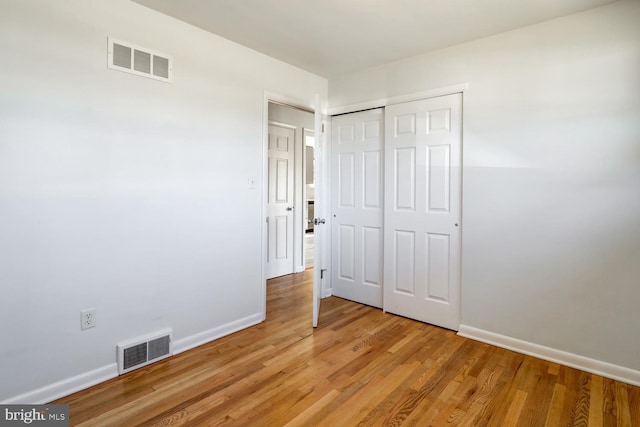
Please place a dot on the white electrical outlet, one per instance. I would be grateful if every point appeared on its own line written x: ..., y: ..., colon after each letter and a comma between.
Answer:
x: 251, y: 183
x: 87, y: 318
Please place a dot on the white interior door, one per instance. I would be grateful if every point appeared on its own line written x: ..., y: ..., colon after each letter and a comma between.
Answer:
x: 319, y: 210
x: 422, y: 214
x: 357, y: 206
x: 280, y: 201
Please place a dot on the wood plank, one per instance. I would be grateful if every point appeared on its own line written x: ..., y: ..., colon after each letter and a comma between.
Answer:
x: 557, y: 402
x: 622, y: 405
x: 609, y: 414
x: 513, y: 415
x: 370, y: 394
x: 580, y: 413
x: 595, y: 405
x: 302, y: 419
x: 634, y: 404
x: 536, y: 407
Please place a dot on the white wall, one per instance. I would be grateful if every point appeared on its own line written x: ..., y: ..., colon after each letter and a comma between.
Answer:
x: 301, y: 120
x: 551, y: 193
x: 124, y: 193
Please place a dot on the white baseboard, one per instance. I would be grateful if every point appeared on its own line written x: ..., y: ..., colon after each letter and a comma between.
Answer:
x: 66, y: 387
x: 586, y: 364
x: 326, y: 293
x: 201, y: 338
x: 71, y: 385
x: 300, y: 268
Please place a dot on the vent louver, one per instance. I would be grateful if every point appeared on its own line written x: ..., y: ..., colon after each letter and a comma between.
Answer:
x: 138, y: 60
x: 134, y: 354
x: 159, y: 347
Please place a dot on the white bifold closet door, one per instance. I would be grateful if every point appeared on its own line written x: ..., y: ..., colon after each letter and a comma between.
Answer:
x: 357, y: 206
x: 423, y: 147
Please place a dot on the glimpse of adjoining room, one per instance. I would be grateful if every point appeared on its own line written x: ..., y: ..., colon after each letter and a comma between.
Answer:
x: 309, y: 141
x: 291, y: 188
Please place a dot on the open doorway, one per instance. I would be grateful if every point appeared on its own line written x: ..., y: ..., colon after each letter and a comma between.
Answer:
x: 289, y: 196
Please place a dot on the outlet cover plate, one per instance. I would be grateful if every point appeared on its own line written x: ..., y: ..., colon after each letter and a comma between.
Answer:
x: 251, y: 183
x: 87, y: 318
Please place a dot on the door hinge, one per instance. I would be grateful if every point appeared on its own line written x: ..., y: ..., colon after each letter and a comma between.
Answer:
x: 322, y: 127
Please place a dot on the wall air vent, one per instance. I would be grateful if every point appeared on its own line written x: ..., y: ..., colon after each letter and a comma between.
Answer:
x: 139, y: 352
x: 139, y: 61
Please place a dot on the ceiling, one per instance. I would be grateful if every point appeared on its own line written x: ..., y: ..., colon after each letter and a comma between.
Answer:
x: 333, y: 37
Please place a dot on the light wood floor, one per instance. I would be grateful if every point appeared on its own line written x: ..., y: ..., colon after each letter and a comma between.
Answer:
x: 360, y: 367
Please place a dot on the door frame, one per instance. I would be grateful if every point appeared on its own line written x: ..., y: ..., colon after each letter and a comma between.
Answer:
x: 413, y: 96
x: 313, y: 107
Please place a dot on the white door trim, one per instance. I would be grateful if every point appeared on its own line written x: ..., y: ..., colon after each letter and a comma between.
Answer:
x: 282, y: 125
x: 414, y: 96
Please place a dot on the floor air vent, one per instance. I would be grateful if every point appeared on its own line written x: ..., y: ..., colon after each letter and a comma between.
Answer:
x: 134, y: 354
